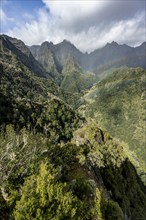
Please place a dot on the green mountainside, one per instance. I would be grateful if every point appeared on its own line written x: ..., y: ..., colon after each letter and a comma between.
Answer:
x: 32, y: 102
x: 74, y: 79
x: 62, y: 52
x: 61, y: 62
x: 55, y: 164
x: 32, y: 85
x: 18, y: 48
x: 118, y: 104
x: 47, y: 59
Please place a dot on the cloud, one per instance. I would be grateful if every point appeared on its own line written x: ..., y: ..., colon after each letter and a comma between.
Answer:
x: 72, y: 11
x: 4, y: 17
x: 35, y: 31
x: 81, y: 15
x: 87, y: 24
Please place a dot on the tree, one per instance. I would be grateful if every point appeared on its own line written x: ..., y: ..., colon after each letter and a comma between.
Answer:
x: 17, y: 153
x: 43, y: 197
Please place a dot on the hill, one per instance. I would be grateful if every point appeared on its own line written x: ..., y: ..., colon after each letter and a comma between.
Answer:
x: 118, y: 104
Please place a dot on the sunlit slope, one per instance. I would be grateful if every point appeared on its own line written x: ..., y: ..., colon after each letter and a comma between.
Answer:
x: 118, y: 103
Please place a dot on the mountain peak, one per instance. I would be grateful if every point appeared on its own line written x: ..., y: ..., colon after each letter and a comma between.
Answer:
x: 66, y: 41
x: 51, y: 43
x: 143, y: 44
x: 17, y: 43
x: 112, y: 44
x: 45, y: 43
x: 109, y: 55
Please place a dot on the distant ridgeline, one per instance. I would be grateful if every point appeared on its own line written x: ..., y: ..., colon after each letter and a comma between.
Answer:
x: 54, y: 163
x: 111, y: 55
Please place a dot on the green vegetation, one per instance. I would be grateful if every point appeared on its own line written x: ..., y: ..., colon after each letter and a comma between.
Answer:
x: 53, y: 163
x: 118, y: 104
x: 41, y: 179
x: 25, y: 104
x: 47, y: 59
x: 74, y: 79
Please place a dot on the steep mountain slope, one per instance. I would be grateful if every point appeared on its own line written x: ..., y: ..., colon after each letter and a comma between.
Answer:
x: 53, y: 164
x: 29, y: 101
x: 23, y: 54
x: 61, y: 61
x: 112, y: 55
x: 66, y: 50
x: 46, y: 58
x: 115, y: 55
x: 62, y: 52
x: 74, y: 79
x: 21, y: 65
x: 118, y: 104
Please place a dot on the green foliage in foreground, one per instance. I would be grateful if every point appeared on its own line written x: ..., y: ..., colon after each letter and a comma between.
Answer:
x: 42, y: 197
x: 87, y: 178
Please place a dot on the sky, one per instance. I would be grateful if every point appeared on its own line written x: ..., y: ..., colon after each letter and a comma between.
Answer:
x: 87, y: 24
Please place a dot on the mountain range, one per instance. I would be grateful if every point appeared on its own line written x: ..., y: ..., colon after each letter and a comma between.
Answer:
x: 55, y: 160
x: 52, y: 59
x: 111, y: 55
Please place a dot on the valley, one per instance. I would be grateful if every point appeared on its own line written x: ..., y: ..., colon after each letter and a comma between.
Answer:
x: 72, y: 131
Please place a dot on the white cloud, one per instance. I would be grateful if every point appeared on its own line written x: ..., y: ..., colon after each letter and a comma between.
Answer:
x: 4, y: 18
x: 87, y: 24
x: 70, y: 11
x: 28, y: 16
x: 2, y: 15
x: 35, y: 31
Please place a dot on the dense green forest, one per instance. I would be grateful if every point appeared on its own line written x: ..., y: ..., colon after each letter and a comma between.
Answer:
x: 118, y: 103
x: 55, y: 163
